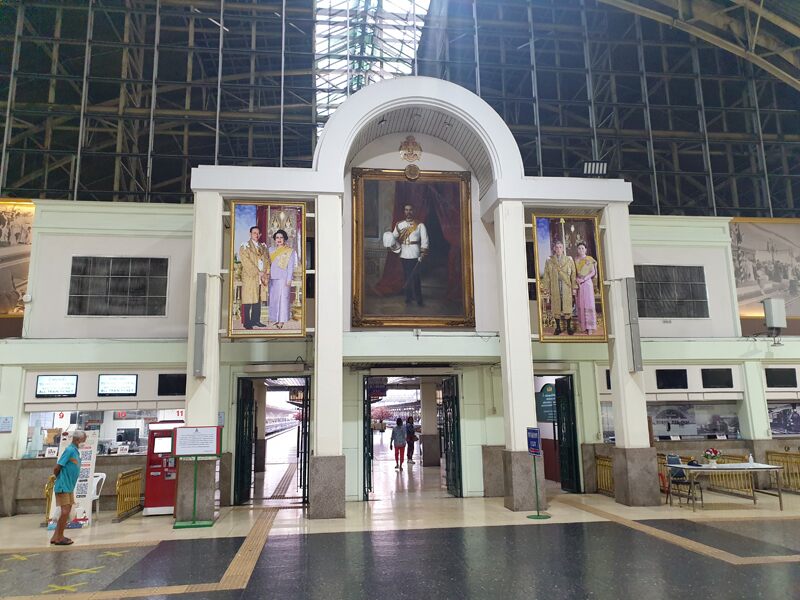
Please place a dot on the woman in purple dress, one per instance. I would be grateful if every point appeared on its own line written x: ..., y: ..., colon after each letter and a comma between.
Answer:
x: 586, y: 272
x: 283, y: 261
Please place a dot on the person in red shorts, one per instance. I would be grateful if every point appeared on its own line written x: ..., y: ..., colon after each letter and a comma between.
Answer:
x: 399, y: 442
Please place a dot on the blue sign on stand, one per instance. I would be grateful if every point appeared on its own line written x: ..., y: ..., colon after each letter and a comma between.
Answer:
x: 534, y: 441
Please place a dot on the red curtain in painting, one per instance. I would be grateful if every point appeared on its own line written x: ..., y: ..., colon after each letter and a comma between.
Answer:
x: 444, y: 199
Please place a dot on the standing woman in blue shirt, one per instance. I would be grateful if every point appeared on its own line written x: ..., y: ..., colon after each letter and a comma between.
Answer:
x: 66, y: 471
x: 399, y: 441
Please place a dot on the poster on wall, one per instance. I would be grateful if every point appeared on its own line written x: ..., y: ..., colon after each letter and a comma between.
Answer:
x: 267, y: 288
x: 84, y: 488
x: 569, y: 279
x: 16, y: 225
x: 694, y: 420
x: 784, y: 418
x: 766, y: 264
x: 412, y: 249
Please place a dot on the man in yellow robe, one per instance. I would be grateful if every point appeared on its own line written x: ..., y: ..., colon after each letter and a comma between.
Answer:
x: 254, y: 257
x: 559, y: 284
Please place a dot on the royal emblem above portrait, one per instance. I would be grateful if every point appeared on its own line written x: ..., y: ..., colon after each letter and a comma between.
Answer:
x: 267, y: 292
x: 766, y: 264
x: 412, y: 249
x: 569, y: 279
x: 16, y: 237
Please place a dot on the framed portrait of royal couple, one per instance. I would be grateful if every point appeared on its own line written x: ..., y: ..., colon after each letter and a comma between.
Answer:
x: 569, y: 279
x: 412, y: 249
x: 267, y: 295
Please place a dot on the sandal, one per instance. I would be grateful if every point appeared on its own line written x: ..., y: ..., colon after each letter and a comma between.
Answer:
x: 64, y: 542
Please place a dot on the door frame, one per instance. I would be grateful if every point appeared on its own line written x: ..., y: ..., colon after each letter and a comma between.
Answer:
x: 366, y: 417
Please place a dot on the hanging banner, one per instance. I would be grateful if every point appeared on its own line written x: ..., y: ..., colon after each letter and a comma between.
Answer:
x: 82, y: 511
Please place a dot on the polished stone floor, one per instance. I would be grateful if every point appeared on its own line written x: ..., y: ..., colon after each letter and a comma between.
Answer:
x: 413, y: 540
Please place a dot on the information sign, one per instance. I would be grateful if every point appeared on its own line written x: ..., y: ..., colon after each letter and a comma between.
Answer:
x: 197, y: 441
x: 117, y: 385
x: 534, y: 441
x: 6, y: 424
x: 56, y: 386
x: 546, y: 410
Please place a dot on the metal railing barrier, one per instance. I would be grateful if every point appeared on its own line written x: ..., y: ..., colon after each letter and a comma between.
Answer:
x: 605, y: 475
x: 790, y: 461
x: 129, y: 493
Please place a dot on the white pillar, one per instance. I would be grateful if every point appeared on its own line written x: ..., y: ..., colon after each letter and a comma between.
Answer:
x: 327, y: 399
x: 427, y: 394
x: 515, y: 326
x: 627, y: 387
x: 202, y: 393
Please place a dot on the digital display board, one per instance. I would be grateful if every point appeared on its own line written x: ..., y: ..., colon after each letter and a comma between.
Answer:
x: 56, y: 386
x: 117, y: 385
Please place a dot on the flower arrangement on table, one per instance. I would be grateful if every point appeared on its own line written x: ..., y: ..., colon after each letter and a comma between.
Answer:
x: 711, y: 455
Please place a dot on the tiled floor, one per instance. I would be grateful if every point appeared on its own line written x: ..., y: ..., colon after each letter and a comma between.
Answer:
x: 413, y: 540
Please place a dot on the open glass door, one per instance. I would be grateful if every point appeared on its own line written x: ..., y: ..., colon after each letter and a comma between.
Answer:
x: 245, y: 425
x: 367, y: 433
x: 567, y: 436
x: 304, y: 439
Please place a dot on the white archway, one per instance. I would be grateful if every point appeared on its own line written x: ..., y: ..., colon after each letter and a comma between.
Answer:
x: 471, y: 126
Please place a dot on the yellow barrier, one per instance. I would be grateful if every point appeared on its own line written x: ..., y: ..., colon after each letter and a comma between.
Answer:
x: 791, y: 468
x: 48, y: 498
x: 605, y: 475
x: 732, y: 483
x: 129, y: 493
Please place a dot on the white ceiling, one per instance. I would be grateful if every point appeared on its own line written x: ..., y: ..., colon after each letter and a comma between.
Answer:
x: 449, y: 129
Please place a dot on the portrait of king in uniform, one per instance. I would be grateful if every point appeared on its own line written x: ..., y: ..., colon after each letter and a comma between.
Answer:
x: 412, y: 255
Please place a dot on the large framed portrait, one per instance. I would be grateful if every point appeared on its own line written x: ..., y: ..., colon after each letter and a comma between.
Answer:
x: 267, y: 265
x: 16, y: 226
x: 569, y: 279
x: 766, y: 264
x: 412, y: 249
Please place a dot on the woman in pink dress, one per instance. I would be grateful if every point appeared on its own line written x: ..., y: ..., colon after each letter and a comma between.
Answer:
x: 586, y: 271
x: 283, y: 261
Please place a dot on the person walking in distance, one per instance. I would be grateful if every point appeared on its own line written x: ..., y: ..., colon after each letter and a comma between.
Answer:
x: 411, y: 437
x: 66, y: 471
x: 399, y: 442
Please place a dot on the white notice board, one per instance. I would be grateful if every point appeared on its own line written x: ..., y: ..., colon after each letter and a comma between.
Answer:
x: 197, y: 441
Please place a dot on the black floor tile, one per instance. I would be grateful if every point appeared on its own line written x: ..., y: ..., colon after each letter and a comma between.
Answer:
x: 181, y: 562
x: 740, y: 545
x: 549, y: 562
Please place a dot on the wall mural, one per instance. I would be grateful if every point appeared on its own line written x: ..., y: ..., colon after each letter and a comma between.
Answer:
x: 412, y: 249
x: 766, y: 264
x: 267, y: 290
x: 569, y: 279
x: 16, y: 225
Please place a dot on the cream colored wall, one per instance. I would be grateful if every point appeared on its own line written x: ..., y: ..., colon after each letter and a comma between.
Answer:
x: 66, y: 229
x: 690, y: 241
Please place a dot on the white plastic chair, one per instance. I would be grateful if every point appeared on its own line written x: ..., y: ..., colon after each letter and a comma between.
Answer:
x: 97, y: 487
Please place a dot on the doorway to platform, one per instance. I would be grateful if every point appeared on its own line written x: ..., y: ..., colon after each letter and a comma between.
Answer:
x: 272, y: 442
x: 557, y: 419
x: 429, y: 465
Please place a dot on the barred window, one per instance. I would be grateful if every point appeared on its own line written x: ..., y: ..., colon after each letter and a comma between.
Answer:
x: 118, y: 286
x: 671, y: 292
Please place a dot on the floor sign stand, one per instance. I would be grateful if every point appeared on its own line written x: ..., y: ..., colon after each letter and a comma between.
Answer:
x: 535, y: 449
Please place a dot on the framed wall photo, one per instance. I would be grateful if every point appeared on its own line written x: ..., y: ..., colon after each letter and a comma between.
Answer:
x: 16, y: 226
x: 766, y: 264
x: 569, y: 279
x: 267, y: 265
x: 412, y: 249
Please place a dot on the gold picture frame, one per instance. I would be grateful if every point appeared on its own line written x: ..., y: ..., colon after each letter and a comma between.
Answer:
x: 391, y: 288
x: 263, y: 274
x: 16, y: 239
x: 571, y: 231
x: 753, y: 266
